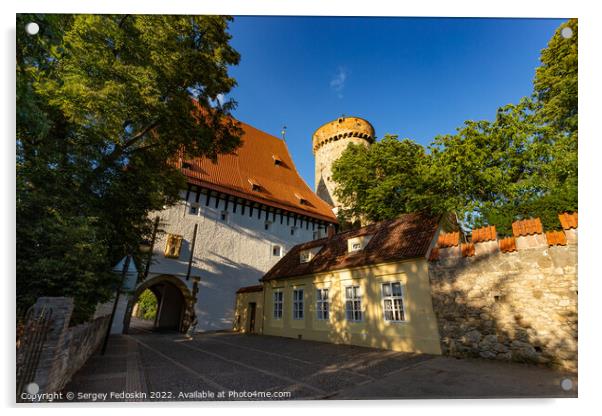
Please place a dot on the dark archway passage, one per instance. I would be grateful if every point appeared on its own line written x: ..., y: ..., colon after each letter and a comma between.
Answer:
x: 175, y: 305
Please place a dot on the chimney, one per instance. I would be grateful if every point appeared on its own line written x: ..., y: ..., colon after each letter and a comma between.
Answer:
x: 330, y: 231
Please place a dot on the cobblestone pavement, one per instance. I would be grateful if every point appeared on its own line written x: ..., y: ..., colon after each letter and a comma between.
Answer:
x: 227, y: 366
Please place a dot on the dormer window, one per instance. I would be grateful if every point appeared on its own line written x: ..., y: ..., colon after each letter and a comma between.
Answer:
x: 301, y: 199
x: 277, y: 160
x: 255, y: 186
x: 307, y: 255
x: 356, y: 244
x: 186, y: 165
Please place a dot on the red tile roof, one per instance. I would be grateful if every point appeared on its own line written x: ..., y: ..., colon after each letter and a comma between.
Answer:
x: 250, y: 289
x: 527, y: 227
x: 507, y: 244
x: 279, y: 184
x: 406, y: 237
x: 568, y: 220
x: 484, y: 234
x: 448, y: 239
x: 556, y: 238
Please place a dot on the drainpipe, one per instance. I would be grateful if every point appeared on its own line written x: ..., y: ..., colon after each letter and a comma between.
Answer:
x: 196, y: 226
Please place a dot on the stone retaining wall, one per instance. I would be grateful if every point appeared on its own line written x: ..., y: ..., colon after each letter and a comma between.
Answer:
x: 518, y: 305
x: 66, y: 349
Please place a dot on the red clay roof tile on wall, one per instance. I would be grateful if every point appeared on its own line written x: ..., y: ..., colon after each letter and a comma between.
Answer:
x: 527, y: 227
x: 507, y: 244
x: 448, y: 239
x: 568, y: 220
x: 467, y: 249
x: 253, y: 162
x: 556, y: 238
x: 484, y: 234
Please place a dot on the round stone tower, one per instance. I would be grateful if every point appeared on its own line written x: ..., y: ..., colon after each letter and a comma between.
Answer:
x: 329, y: 142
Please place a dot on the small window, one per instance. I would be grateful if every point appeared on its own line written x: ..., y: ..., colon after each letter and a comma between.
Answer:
x: 278, y: 297
x: 173, y: 246
x: 293, y: 230
x: 305, y: 256
x: 277, y: 251
x: 224, y: 216
x: 193, y: 210
x: 356, y: 244
x: 393, y: 302
x: 267, y: 225
x: 255, y: 186
x: 353, y: 304
x: 301, y: 199
x: 277, y: 160
x: 187, y: 165
x: 322, y: 304
x: 298, y: 304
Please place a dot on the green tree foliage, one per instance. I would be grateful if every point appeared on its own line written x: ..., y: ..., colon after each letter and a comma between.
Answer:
x: 104, y: 104
x: 147, y: 305
x: 380, y: 181
x: 522, y: 164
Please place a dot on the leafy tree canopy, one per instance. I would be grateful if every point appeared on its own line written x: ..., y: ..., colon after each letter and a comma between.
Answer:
x: 104, y: 103
x: 522, y: 164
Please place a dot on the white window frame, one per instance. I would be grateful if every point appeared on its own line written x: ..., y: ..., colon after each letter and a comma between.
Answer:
x: 322, y: 304
x: 278, y: 303
x: 281, y: 250
x: 357, y: 314
x: 298, y: 304
x: 396, y: 312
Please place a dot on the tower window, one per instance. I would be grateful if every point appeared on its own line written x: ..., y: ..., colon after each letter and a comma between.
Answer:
x: 276, y: 251
x: 224, y: 216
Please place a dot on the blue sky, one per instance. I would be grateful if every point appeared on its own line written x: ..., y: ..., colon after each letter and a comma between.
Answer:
x: 414, y: 77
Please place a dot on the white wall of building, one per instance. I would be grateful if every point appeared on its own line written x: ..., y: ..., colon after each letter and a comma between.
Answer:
x: 228, y: 253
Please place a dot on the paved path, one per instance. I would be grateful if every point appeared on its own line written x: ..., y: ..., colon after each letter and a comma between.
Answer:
x: 227, y: 366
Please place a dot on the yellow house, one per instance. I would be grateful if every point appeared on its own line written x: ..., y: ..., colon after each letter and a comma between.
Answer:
x: 366, y: 287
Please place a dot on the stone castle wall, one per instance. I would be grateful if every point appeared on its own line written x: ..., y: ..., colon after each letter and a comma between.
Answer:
x: 510, y: 299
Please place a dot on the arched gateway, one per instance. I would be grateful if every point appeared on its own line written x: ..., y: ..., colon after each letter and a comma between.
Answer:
x: 175, y: 303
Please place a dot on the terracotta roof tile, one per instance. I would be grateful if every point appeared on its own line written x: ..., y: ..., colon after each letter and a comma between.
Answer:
x: 406, y: 237
x: 556, y: 238
x: 253, y: 163
x: 527, y: 227
x: 467, y: 249
x: 250, y: 289
x: 568, y: 220
x: 507, y: 244
x: 484, y: 234
x: 448, y: 239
